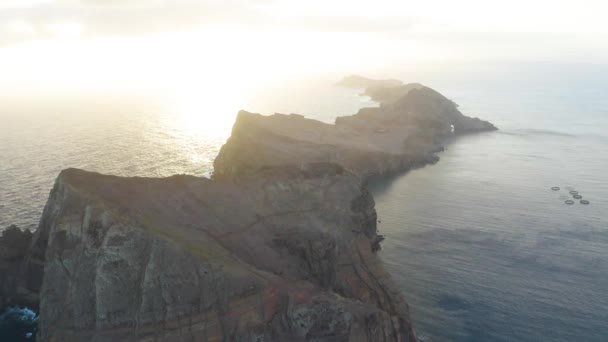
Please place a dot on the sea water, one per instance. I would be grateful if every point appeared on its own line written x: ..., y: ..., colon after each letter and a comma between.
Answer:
x: 482, y: 247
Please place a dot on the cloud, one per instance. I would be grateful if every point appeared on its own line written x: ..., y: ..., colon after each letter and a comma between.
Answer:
x: 20, y: 27
x: 44, y: 19
x: 123, y: 4
x: 12, y: 4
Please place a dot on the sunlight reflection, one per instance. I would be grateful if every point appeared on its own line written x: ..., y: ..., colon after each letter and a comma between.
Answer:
x: 201, y: 111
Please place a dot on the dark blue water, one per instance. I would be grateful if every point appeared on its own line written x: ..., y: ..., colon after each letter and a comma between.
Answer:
x: 18, y: 324
x: 482, y: 247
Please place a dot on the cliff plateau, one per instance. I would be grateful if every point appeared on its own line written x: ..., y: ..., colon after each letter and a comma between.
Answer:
x: 281, y: 254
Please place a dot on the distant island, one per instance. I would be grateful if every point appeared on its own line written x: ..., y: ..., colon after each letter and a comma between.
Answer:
x: 281, y: 244
x: 356, y: 81
x: 381, y: 91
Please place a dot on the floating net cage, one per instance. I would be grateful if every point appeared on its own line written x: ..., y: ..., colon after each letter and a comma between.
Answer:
x: 572, y: 192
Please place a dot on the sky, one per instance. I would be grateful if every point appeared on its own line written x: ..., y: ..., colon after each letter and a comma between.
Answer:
x: 43, y: 19
x: 65, y: 43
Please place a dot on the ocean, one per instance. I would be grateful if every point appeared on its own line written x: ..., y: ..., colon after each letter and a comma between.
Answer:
x: 482, y: 247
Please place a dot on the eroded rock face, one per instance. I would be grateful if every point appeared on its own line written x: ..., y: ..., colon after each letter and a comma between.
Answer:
x: 283, y: 253
x: 14, y: 244
x: 376, y: 141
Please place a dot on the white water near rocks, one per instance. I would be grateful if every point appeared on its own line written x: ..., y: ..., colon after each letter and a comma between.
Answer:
x: 482, y: 247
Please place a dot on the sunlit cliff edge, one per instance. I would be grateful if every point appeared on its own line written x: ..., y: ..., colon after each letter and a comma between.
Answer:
x: 279, y: 246
x: 400, y: 134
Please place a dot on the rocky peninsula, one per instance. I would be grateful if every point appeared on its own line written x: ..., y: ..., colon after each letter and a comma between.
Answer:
x: 394, y: 137
x: 280, y: 245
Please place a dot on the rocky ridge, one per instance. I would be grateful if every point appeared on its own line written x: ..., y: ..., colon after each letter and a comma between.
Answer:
x: 394, y: 137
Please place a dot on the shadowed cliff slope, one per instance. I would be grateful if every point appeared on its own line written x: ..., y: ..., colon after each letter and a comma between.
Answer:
x: 14, y: 245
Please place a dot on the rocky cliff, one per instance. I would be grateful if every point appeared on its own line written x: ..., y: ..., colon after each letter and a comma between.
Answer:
x: 391, y: 138
x: 14, y: 244
x: 280, y: 254
x: 384, y: 94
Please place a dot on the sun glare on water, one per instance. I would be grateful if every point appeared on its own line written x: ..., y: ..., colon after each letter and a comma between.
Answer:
x: 205, y: 76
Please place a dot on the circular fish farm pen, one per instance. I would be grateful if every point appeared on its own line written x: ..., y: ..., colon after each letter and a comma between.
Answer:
x: 569, y: 202
x: 573, y: 192
x: 577, y: 196
x: 555, y: 188
x: 584, y: 202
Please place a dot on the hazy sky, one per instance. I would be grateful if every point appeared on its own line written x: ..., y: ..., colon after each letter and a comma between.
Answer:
x: 65, y: 41
x: 30, y: 19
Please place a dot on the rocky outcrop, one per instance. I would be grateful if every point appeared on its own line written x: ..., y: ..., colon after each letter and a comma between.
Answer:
x: 424, y: 110
x: 384, y: 94
x: 376, y: 141
x: 279, y: 254
x: 14, y: 245
x: 259, y: 141
x: 355, y: 81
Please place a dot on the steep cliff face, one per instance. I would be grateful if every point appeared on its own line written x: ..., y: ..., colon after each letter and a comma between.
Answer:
x: 14, y: 244
x: 283, y: 253
x: 259, y: 141
x: 391, y: 138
